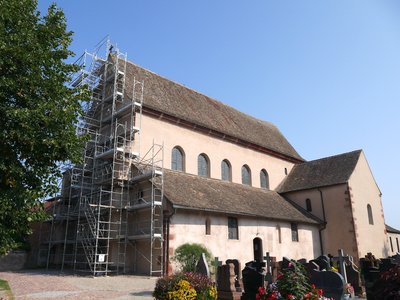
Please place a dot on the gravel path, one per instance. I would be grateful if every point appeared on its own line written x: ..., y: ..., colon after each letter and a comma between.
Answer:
x: 39, y: 284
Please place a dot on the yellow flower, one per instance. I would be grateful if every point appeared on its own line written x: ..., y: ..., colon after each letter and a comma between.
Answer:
x: 182, y: 291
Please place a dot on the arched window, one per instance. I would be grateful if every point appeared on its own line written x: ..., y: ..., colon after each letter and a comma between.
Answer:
x: 178, y: 159
x: 203, y: 165
x: 264, y: 179
x: 246, y: 175
x: 226, y: 170
x: 308, y: 205
x: 370, y: 217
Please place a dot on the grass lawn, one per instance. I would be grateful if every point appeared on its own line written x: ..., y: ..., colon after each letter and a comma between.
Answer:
x: 5, y: 290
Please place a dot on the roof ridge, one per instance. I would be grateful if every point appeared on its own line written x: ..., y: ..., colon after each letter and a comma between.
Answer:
x: 330, y: 157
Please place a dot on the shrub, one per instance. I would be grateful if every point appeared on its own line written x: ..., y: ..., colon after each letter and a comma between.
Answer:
x: 187, y: 256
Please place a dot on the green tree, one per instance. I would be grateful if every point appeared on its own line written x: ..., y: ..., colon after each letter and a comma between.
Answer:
x: 37, y: 113
x: 187, y: 255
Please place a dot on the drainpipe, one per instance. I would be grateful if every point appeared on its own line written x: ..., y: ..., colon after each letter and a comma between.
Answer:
x: 166, y: 251
x: 323, y: 227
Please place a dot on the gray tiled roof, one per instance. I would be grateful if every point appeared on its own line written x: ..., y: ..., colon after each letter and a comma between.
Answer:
x: 321, y: 172
x: 199, y: 193
x: 173, y: 99
x: 391, y: 229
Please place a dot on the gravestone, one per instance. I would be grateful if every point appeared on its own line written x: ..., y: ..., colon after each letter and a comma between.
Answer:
x: 331, y: 283
x: 396, y: 259
x: 226, y: 283
x: 353, y: 277
x: 286, y: 262
x: 269, y: 267
x: 217, y: 263
x: 371, y: 261
x: 370, y: 271
x: 311, y: 266
x: 202, y: 266
x: 253, y: 278
x: 323, y: 262
x: 238, y: 273
x: 386, y: 264
x: 303, y: 261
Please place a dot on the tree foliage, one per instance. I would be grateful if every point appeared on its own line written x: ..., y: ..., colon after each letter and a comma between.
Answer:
x: 37, y: 112
x: 187, y: 255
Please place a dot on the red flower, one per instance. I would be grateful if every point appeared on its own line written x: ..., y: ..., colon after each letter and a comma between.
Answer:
x: 261, y: 290
x: 257, y: 296
x: 274, y: 296
x: 290, y: 296
x: 280, y: 276
x: 320, y: 292
x: 313, y: 286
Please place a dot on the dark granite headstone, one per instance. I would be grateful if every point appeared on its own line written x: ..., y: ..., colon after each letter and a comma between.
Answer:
x: 286, y: 262
x: 386, y: 264
x: 396, y: 259
x: 331, y: 283
x: 323, y: 262
x: 253, y: 278
x: 311, y: 266
x: 353, y: 277
x: 202, y: 266
x: 303, y: 261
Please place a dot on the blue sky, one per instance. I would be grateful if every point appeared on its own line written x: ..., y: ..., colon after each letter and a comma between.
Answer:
x: 327, y: 73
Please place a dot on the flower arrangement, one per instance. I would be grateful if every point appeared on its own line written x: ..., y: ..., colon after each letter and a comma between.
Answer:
x: 264, y: 294
x: 185, y: 286
x: 292, y: 283
x: 182, y: 290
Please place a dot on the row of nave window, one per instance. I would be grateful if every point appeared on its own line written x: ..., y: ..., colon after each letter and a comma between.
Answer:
x: 203, y: 168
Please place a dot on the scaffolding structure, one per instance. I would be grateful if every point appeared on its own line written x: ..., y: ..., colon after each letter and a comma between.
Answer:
x: 109, y: 216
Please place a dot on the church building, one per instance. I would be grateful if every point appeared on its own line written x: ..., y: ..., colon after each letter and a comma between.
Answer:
x: 166, y: 165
